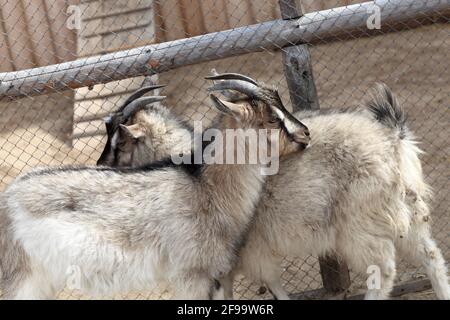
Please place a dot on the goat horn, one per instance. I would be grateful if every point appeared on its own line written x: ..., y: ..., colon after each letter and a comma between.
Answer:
x: 108, y: 119
x: 109, y: 125
x: 118, y: 115
x: 139, y: 104
x: 231, y: 76
x: 228, y: 94
x: 247, y: 88
x: 139, y: 93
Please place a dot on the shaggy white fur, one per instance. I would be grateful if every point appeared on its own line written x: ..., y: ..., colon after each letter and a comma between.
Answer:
x: 357, y: 191
x: 108, y: 231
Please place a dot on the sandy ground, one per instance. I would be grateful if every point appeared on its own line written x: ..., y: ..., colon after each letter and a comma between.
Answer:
x: 415, y: 64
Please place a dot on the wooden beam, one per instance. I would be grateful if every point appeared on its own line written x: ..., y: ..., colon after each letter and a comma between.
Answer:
x: 160, y: 27
x: 299, y: 76
x: 398, y: 290
x: 171, y: 15
x: 402, y: 289
x: 28, y: 36
x: 303, y: 94
x: 251, y: 11
x: 315, y: 27
x: 239, y: 13
x: 215, y: 15
x: 297, y: 65
x: 39, y: 32
x: 290, y: 9
x: 6, y: 57
x: 115, y: 13
x: 192, y: 16
x: 15, y: 28
x: 51, y: 31
x: 335, y: 275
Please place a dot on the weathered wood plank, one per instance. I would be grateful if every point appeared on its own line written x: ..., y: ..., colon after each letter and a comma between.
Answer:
x: 239, y: 13
x: 115, y: 24
x: 215, y: 15
x: 397, y: 291
x: 264, y: 11
x: 297, y: 65
x: 315, y: 5
x: 16, y: 30
x: 303, y: 94
x: 64, y: 39
x: 192, y: 14
x: 312, y: 28
x: 171, y: 19
x: 39, y: 32
x: 335, y: 275
x: 402, y: 289
x: 6, y: 62
x: 290, y: 9
x: 299, y: 76
x: 28, y: 32
x: 113, y: 8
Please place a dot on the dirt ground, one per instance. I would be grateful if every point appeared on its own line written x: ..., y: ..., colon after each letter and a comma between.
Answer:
x: 415, y: 64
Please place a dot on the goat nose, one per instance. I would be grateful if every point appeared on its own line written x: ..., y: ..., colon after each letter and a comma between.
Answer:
x: 306, y: 132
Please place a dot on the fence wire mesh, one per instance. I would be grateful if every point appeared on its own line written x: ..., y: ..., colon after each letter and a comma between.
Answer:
x: 66, y: 127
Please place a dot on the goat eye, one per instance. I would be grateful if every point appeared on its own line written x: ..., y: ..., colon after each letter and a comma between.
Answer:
x: 273, y: 120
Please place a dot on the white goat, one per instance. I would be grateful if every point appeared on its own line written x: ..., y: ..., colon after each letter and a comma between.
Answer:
x: 128, y: 229
x: 357, y: 191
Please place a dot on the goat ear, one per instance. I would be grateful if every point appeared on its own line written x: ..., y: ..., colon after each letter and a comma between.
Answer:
x: 296, y: 130
x: 226, y: 106
x: 134, y: 131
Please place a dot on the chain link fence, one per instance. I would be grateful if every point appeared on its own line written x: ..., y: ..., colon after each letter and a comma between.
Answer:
x: 66, y: 126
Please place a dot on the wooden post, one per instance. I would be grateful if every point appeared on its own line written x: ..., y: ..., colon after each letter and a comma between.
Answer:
x: 302, y: 90
x: 297, y: 66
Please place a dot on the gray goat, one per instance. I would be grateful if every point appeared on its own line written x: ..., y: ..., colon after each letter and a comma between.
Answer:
x: 117, y: 230
x: 357, y: 191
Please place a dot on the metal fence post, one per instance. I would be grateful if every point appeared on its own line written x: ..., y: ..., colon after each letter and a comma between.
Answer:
x: 303, y: 94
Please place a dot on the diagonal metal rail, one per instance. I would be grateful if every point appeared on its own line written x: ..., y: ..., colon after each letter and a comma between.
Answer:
x: 327, y: 25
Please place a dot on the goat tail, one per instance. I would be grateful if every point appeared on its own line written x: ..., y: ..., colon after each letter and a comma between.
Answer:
x: 385, y: 108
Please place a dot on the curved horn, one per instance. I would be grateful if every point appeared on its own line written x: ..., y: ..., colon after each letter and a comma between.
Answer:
x: 139, y: 93
x: 139, y: 104
x: 131, y: 105
x: 232, y: 76
x: 116, y: 117
x: 109, y: 124
x: 247, y: 88
x: 230, y: 95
